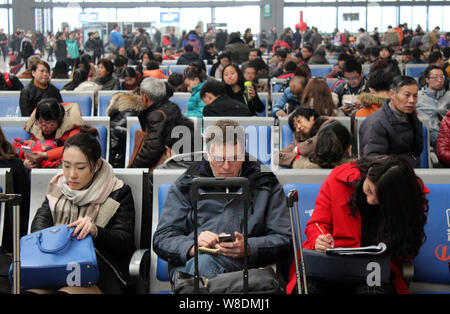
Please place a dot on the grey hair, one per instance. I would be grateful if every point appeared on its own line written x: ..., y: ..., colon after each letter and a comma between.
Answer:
x: 402, y: 80
x: 154, y: 88
x: 32, y: 61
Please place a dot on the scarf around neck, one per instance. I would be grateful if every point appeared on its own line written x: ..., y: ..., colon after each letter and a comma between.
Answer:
x: 67, y: 205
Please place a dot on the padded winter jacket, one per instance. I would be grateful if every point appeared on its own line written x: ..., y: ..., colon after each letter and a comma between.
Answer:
x: 443, y: 141
x: 30, y: 96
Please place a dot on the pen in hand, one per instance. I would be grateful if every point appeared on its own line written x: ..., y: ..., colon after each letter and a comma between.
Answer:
x: 320, y: 229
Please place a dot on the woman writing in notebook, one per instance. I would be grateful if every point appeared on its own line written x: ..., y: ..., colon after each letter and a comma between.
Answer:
x: 366, y: 202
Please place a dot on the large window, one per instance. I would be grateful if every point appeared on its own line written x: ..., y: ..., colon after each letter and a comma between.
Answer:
x: 312, y: 16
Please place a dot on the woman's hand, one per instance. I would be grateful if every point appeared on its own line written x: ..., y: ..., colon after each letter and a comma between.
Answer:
x: 84, y: 226
x: 251, y: 91
x: 30, y: 164
x: 324, y: 242
x: 37, y: 157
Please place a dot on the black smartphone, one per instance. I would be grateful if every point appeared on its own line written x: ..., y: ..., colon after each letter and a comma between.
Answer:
x: 225, y: 238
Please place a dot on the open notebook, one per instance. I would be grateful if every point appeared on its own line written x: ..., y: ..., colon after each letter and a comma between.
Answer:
x: 366, y: 250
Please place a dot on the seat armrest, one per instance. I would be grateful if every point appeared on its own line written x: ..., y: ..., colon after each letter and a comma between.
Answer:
x: 136, y: 262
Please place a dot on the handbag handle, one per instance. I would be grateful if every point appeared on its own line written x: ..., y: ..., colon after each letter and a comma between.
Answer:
x: 50, y: 251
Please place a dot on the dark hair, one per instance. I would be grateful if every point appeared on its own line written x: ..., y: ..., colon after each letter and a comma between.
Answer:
x: 333, y: 141
x: 352, y: 65
x: 84, y: 59
x: 446, y: 52
x: 129, y: 72
x: 152, y: 65
x: 166, y: 134
x: 88, y: 143
x: 40, y: 62
x: 431, y: 68
x: 120, y: 61
x: 212, y: 86
x: 192, y: 74
x: 188, y: 48
x: 50, y: 109
x: 344, y: 57
x: 282, y: 52
x: 109, y: 66
x: 402, y: 205
x: 223, y: 55
x: 380, y: 80
x: 258, y: 52
x: 434, y: 56
x: 175, y: 79
x: 240, y: 81
x: 375, y: 52
x: 6, y: 148
x: 309, y: 48
x: 61, y: 67
x: 290, y: 66
x: 402, y: 80
x: 79, y: 76
x: 258, y: 64
x: 304, y: 112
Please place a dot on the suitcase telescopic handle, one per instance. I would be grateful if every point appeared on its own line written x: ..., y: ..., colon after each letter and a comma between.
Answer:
x: 201, y: 183
x: 11, y: 199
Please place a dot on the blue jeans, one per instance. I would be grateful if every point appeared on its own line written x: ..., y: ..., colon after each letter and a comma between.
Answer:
x: 210, y: 265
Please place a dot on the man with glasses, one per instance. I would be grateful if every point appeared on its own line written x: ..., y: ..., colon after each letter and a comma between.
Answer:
x: 269, y: 235
x: 346, y: 91
x: 291, y: 99
x: 433, y: 101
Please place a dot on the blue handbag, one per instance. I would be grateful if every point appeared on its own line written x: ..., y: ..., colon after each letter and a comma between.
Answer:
x: 52, y: 258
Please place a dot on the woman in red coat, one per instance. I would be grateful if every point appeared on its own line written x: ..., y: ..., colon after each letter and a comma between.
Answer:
x: 51, y: 124
x: 443, y: 141
x: 366, y: 202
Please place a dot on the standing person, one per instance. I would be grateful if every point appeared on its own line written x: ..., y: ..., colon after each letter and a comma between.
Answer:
x: 61, y: 47
x: 116, y: 39
x: 248, y: 38
x: 362, y: 203
x: 221, y: 39
x: 3, y: 44
x: 73, y: 51
x: 157, y: 38
x: 39, y: 42
x: 87, y: 195
x: 89, y: 46
x: 39, y: 88
x: 99, y: 49
x: 51, y: 43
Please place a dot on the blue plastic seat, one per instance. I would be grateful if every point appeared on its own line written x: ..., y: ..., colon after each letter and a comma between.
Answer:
x: 103, y: 102
x: 12, y: 132
x: 320, y: 71
x: 9, y: 107
x: 182, y: 102
x: 85, y: 103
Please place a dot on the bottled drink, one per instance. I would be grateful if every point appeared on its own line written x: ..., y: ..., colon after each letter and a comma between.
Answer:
x: 247, y: 86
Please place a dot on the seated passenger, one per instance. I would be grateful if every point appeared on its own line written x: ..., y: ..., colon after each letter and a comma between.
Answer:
x: 79, y: 76
x: 193, y: 81
x: 153, y: 70
x: 363, y: 203
x: 269, y: 235
x: 291, y: 99
x: 21, y: 184
x: 433, y: 102
x: 233, y: 80
x: 39, y: 88
x: 9, y: 82
x: 395, y: 128
x: 443, y: 142
x: 87, y: 195
x: 219, y: 104
x: 333, y: 148
x: 379, y: 86
x: 105, y: 71
x: 131, y: 79
x: 305, y: 123
x: 317, y: 96
x: 50, y: 126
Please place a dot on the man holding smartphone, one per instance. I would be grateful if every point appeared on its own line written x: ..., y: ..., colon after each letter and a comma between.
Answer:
x: 220, y: 222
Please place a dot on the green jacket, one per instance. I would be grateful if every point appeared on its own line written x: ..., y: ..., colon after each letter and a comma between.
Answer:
x: 195, y: 103
x: 72, y: 49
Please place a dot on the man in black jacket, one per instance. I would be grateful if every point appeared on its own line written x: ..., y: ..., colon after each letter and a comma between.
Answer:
x: 155, y: 96
x: 219, y: 104
x: 189, y: 56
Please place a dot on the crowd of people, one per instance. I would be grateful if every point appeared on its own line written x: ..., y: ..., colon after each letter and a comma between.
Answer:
x: 377, y: 176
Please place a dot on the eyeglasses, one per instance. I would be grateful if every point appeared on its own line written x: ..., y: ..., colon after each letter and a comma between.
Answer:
x: 353, y: 79
x: 44, y: 123
x: 437, y: 77
x: 219, y: 160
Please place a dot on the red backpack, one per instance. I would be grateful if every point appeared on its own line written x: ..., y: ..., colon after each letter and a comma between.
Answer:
x: 7, y: 80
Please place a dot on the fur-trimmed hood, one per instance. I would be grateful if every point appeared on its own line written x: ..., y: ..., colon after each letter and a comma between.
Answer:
x: 368, y: 99
x: 125, y: 101
x: 72, y: 119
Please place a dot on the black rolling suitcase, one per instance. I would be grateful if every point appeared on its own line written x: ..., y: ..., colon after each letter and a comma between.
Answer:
x: 14, y: 200
x: 261, y: 280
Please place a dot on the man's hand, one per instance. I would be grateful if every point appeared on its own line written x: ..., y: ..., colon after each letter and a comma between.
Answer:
x: 232, y: 249
x: 281, y: 113
x: 206, y: 239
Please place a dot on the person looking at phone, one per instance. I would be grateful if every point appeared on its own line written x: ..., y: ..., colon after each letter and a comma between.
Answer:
x: 353, y: 84
x: 269, y: 235
x: 51, y: 124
